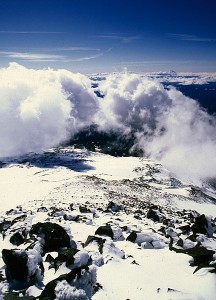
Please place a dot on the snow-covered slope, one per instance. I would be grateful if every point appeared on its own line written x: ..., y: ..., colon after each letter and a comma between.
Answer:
x: 127, y: 229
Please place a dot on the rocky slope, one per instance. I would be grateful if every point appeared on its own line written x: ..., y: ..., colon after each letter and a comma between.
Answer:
x: 83, y: 225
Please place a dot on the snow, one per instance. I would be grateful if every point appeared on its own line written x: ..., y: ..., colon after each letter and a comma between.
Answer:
x: 146, y: 269
x: 157, y: 269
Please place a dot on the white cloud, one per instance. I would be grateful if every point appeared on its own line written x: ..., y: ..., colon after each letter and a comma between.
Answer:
x: 43, y: 108
x: 33, y: 56
x: 40, y: 109
x: 89, y: 57
x: 119, y: 37
x: 168, y: 126
x: 194, y: 38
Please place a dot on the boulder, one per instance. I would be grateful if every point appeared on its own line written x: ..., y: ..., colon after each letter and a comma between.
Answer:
x: 113, y: 206
x: 153, y: 214
x: 65, y: 256
x: 42, y: 209
x: 78, y: 284
x: 53, y: 236
x: 92, y: 239
x: 203, y: 225
x: 16, y: 264
x: 18, y: 238
x: 5, y: 225
x: 105, y: 230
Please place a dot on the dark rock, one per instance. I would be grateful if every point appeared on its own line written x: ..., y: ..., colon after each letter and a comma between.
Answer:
x: 71, y: 207
x: 192, y: 237
x: 16, y: 264
x: 55, y: 212
x: 98, y: 240
x: 18, y: 219
x: 97, y: 287
x: 50, y: 260
x: 12, y: 212
x: 138, y: 217
x: 202, y: 225
x: 180, y: 243
x: 23, y: 267
x: 132, y: 237
x: 105, y: 230
x: 66, y: 256
x: 185, y: 228
x: 124, y: 228
x: 16, y: 296
x: 69, y: 217
x: 42, y: 209
x: 4, y: 226
x: 153, y: 215
x: 211, y: 266
x: 200, y: 254
x: 78, y: 278
x: 17, y: 238
x: 113, y: 206
x: 53, y: 236
x: 84, y: 209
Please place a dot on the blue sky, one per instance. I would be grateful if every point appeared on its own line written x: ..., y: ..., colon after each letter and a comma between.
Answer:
x: 109, y: 35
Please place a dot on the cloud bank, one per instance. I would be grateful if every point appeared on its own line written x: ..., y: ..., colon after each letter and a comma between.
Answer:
x: 44, y: 108
x: 167, y: 125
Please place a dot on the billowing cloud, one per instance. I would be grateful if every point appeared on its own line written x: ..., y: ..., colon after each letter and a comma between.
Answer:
x: 168, y: 126
x: 41, y: 109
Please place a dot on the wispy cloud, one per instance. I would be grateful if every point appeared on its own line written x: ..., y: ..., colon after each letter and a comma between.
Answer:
x: 74, y: 49
x: 119, y: 37
x: 44, y: 57
x: 194, y: 38
x: 87, y: 57
x: 37, y: 57
x: 29, y: 32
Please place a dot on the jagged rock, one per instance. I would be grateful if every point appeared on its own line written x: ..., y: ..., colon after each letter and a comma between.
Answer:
x: 100, y: 242
x: 148, y: 240
x: 65, y: 256
x: 84, y: 209
x: 211, y: 266
x: 23, y: 267
x: 69, y: 217
x: 18, y: 219
x: 13, y: 211
x: 185, y: 228
x: 5, y: 225
x: 105, y: 230
x: 200, y: 254
x: 16, y: 264
x: 113, y: 206
x: 153, y: 215
x: 138, y: 217
x: 203, y: 225
x: 132, y: 237
x: 56, y: 212
x: 18, y: 238
x: 50, y: 260
x: 42, y: 209
x: 71, y: 207
x: 53, y: 236
x: 78, y: 284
